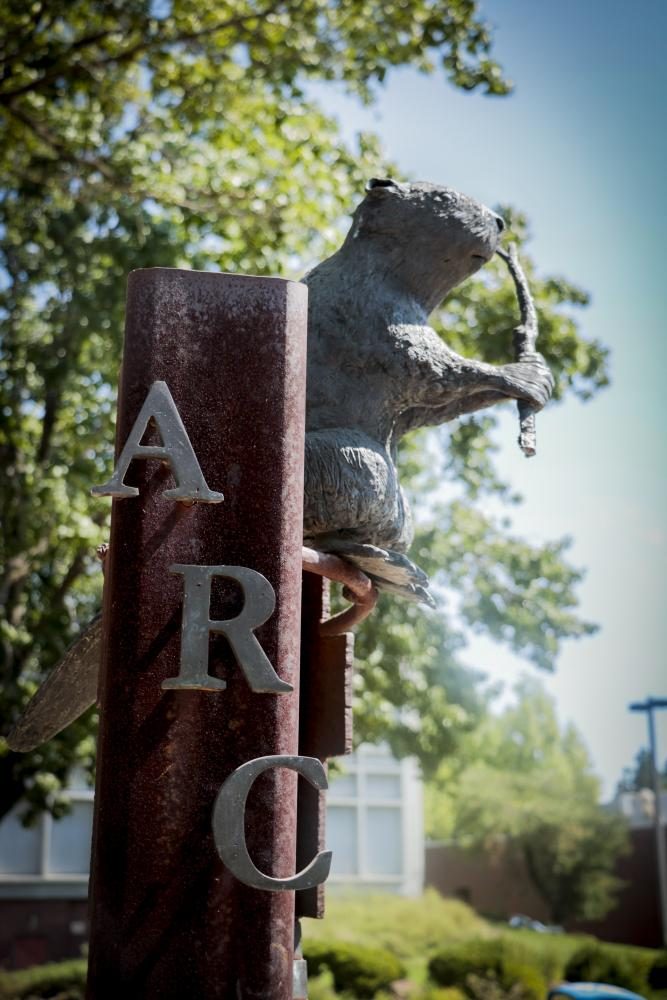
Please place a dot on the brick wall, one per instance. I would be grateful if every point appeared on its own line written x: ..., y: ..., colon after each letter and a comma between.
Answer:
x: 33, y: 931
x: 497, y: 886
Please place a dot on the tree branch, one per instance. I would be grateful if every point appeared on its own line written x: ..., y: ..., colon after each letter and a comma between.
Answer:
x: 74, y: 571
x: 44, y: 133
x: 145, y: 45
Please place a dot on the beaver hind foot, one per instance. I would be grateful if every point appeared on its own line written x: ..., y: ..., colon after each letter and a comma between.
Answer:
x: 389, y: 571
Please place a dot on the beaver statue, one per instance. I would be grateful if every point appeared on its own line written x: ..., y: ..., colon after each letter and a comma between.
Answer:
x: 376, y: 369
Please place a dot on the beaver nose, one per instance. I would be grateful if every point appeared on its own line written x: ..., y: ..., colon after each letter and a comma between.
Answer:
x: 500, y: 222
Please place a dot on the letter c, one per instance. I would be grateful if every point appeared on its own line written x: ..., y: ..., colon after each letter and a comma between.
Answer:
x: 229, y: 824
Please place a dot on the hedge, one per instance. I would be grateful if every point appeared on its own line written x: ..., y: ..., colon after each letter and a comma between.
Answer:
x: 441, y: 993
x: 362, y: 971
x: 493, y: 960
x: 65, y: 980
x: 617, y: 965
x: 657, y: 977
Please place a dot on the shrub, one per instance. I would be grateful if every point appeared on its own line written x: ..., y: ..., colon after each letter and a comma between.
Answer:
x: 614, y: 964
x: 405, y: 927
x: 451, y: 966
x: 524, y: 981
x: 363, y: 971
x: 657, y: 977
x: 441, y: 993
x: 321, y: 987
x: 492, y: 962
x: 549, y: 953
x: 64, y: 980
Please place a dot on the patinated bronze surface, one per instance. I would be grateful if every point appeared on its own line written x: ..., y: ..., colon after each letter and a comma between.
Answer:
x: 376, y: 369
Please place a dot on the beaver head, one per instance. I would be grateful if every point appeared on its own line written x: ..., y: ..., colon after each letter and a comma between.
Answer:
x: 431, y: 236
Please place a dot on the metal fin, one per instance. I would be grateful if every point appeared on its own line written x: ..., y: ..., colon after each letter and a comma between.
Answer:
x: 67, y: 692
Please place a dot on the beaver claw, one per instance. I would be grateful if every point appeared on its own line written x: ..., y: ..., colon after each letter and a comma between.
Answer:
x: 529, y: 379
x: 389, y: 571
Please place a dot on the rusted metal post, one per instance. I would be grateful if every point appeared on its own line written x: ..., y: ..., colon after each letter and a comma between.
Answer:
x: 325, y: 728
x: 168, y: 919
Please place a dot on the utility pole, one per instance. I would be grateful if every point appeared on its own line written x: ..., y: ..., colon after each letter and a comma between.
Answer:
x: 649, y: 706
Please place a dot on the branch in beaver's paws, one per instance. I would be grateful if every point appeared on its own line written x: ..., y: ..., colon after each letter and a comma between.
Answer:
x: 525, y: 338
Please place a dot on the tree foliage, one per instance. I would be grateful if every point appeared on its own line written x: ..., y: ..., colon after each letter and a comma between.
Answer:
x: 175, y: 134
x: 529, y: 784
x: 640, y: 774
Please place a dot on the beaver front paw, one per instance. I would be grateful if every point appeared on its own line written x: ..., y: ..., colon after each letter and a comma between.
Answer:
x: 529, y: 379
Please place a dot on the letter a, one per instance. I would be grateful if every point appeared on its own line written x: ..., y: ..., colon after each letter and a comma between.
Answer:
x: 175, y: 449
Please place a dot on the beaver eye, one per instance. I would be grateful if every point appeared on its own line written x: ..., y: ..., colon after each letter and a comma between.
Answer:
x: 381, y: 182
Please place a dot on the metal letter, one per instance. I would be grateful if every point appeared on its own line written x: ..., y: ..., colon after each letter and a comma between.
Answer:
x: 175, y: 449
x: 229, y: 824
x: 259, y: 604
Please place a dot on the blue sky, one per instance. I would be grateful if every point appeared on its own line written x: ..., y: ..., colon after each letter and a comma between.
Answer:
x: 580, y: 146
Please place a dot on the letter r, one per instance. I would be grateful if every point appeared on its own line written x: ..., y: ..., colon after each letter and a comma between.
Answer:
x: 259, y: 604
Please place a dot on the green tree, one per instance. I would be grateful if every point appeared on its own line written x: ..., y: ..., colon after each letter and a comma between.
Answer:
x: 529, y: 787
x: 640, y: 774
x: 143, y: 133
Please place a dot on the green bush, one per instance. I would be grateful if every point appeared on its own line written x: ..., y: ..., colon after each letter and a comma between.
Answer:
x: 321, y: 987
x: 441, y: 993
x: 523, y: 981
x: 450, y: 966
x: 494, y: 961
x: 614, y: 964
x: 405, y: 927
x: 64, y: 980
x: 360, y: 970
x: 549, y: 953
x: 657, y: 976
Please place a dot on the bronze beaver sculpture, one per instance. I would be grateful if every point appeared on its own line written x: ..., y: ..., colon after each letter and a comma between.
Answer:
x: 376, y: 369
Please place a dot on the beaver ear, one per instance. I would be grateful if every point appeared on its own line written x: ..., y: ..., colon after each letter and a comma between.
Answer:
x: 382, y: 184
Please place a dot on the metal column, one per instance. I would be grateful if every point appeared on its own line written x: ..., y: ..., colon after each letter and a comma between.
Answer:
x: 168, y: 920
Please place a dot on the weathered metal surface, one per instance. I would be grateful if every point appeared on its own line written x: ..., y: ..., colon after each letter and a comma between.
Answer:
x: 168, y: 919
x: 71, y: 687
x: 376, y: 369
x: 357, y: 587
x: 67, y: 692
x: 525, y: 340
x: 326, y: 718
x: 325, y: 724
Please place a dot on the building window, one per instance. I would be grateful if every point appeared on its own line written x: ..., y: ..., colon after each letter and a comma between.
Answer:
x: 50, y: 852
x: 373, y: 827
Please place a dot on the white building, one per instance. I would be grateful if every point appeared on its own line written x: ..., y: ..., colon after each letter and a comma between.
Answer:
x: 375, y: 823
x: 374, y: 829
